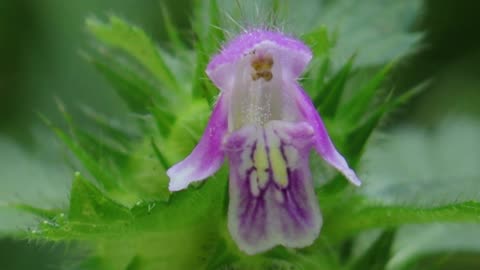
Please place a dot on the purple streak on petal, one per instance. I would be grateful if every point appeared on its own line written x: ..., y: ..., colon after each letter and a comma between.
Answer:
x: 222, y: 65
x: 274, y: 214
x: 323, y: 143
x: 299, y: 208
x: 249, y: 209
x: 207, y: 157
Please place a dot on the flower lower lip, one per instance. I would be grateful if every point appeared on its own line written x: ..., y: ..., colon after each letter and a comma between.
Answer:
x: 271, y: 193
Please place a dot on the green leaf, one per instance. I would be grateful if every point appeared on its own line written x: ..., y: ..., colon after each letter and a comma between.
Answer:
x: 186, y: 132
x: 406, y: 96
x: 164, y: 119
x: 201, y: 86
x: 207, y: 25
x: 359, y: 135
x: 353, y: 110
x: 118, y: 34
x: 315, y: 83
x: 319, y: 41
x: 161, y: 157
x: 108, y: 152
x: 36, y: 211
x: 172, y: 32
x: 216, y: 33
x: 89, y: 204
x: 91, y: 164
x: 209, y: 40
x: 377, y: 256
x: 357, y: 138
x: 119, y: 131
x: 329, y: 99
x: 135, y: 264
x: 145, y: 174
x: 172, y: 230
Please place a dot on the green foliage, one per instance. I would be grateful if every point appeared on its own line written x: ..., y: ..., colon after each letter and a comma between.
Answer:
x: 119, y: 203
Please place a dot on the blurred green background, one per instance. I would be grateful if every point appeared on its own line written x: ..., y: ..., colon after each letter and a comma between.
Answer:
x: 41, y: 58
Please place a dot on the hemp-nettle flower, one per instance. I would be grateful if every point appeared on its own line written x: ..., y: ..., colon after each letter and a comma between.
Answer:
x: 266, y: 125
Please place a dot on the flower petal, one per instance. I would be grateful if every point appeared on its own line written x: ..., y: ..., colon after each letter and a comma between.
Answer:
x: 323, y: 143
x: 207, y: 157
x: 272, y: 199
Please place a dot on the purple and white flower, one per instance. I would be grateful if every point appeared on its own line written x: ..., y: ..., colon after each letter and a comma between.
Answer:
x: 266, y: 125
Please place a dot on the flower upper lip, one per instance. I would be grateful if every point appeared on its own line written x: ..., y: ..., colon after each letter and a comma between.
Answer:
x: 248, y: 41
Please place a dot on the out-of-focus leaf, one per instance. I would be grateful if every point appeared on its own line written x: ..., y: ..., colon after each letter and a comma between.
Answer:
x: 120, y: 132
x: 37, y: 177
x: 416, y: 242
x: 377, y: 30
x: 16, y: 254
x: 132, y: 86
x: 371, y: 216
x: 107, y: 152
x: 39, y: 212
x: 134, y: 41
x: 426, y: 167
x: 105, y: 177
x: 421, y: 161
